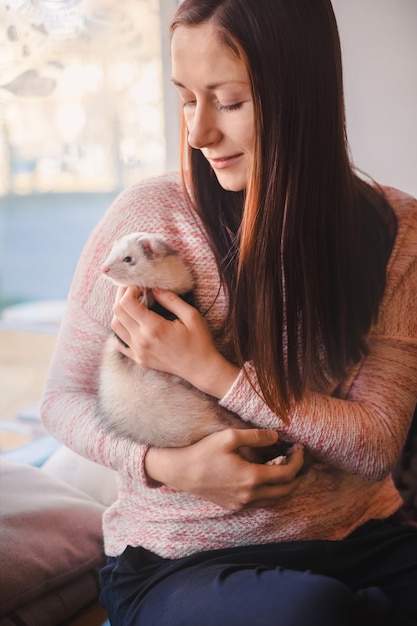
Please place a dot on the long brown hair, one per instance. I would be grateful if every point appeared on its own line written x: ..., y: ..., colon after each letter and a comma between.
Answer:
x: 303, y: 251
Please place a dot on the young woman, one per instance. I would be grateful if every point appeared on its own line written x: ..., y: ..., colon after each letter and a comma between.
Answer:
x: 306, y: 328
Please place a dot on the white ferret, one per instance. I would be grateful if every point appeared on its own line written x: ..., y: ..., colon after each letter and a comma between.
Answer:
x: 150, y: 406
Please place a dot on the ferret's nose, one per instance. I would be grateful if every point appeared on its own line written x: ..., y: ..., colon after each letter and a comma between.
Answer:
x: 105, y: 269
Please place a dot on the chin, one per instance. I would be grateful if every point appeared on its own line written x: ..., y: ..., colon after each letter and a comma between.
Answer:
x: 232, y: 183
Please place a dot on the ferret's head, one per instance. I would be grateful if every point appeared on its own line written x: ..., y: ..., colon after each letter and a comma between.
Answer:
x: 146, y: 260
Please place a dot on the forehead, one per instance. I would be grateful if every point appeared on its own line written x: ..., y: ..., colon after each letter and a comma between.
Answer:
x: 200, y: 56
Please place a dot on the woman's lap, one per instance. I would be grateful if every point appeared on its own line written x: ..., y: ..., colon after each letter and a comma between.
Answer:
x: 318, y: 582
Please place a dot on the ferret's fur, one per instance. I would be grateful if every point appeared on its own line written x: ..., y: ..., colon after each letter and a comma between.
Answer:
x: 153, y: 407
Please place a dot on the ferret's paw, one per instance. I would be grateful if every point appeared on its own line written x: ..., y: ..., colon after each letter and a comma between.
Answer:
x: 279, y: 460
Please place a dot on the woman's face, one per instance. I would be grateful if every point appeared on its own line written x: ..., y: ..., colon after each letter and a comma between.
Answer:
x: 216, y: 94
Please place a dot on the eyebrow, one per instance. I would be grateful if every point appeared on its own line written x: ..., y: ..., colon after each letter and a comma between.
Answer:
x: 212, y: 86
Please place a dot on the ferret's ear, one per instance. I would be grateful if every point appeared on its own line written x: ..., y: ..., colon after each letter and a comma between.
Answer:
x: 147, y: 248
x: 154, y: 248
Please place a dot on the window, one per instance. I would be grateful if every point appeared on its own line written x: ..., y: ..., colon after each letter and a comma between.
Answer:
x: 87, y: 109
x: 82, y: 94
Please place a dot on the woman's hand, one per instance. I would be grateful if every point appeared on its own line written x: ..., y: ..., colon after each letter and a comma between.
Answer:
x: 183, y: 347
x: 214, y: 470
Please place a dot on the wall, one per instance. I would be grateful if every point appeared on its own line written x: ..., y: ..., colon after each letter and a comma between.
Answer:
x: 379, y: 47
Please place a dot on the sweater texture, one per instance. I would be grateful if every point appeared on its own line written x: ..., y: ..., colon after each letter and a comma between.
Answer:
x: 356, y: 435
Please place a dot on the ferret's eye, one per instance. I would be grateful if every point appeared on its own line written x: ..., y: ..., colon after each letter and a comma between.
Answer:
x: 127, y: 259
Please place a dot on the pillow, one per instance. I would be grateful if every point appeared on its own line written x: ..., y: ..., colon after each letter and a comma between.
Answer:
x: 57, y: 606
x: 50, y: 539
x: 94, y: 479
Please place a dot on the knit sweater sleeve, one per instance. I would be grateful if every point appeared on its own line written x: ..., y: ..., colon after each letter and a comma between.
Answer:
x: 70, y: 395
x: 362, y: 428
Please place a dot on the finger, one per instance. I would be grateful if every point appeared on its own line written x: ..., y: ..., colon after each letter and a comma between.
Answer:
x: 251, y: 437
x: 121, y: 345
x: 121, y: 290
x: 120, y: 332
x: 286, y: 473
x: 130, y: 309
x: 173, y: 303
x: 269, y: 496
x: 131, y: 297
x: 257, y: 493
x: 133, y: 292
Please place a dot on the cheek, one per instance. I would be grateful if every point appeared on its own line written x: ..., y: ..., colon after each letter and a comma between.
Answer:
x: 244, y: 133
x: 247, y: 140
x: 250, y: 141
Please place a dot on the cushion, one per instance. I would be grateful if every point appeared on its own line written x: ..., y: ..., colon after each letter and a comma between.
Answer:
x: 96, y: 480
x: 50, y: 546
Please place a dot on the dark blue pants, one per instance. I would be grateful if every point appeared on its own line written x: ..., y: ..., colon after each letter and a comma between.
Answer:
x: 368, y: 578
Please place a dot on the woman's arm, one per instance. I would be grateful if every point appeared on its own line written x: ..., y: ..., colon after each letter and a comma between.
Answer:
x: 364, y: 430
x: 214, y: 470
x: 70, y: 394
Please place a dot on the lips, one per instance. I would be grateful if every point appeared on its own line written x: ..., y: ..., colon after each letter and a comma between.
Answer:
x: 222, y: 162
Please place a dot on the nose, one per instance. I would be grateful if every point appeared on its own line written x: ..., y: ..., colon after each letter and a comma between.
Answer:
x: 202, y: 128
x: 105, y: 269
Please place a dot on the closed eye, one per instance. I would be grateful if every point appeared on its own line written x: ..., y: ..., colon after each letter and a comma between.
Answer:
x: 230, y: 107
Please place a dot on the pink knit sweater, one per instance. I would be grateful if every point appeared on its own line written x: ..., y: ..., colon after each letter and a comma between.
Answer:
x: 357, y: 435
